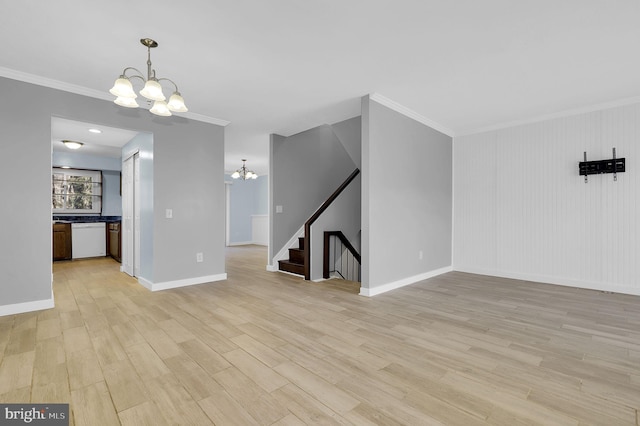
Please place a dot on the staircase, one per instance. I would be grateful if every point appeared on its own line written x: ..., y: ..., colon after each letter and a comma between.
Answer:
x: 295, y: 263
x: 341, y: 259
x: 299, y: 261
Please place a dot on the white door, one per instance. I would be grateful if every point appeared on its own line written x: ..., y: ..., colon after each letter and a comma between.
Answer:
x: 131, y: 215
x: 227, y: 213
x: 136, y: 215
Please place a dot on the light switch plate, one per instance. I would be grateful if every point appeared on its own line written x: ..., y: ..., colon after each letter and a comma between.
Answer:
x: 278, y: 209
x: 169, y: 214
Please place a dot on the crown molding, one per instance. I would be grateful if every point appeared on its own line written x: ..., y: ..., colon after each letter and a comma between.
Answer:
x: 377, y: 97
x: 92, y: 93
x: 204, y: 118
x: 53, y: 84
x: 560, y: 114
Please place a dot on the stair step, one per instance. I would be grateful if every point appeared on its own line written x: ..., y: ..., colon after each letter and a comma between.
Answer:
x: 301, y: 243
x: 288, y: 266
x: 296, y: 255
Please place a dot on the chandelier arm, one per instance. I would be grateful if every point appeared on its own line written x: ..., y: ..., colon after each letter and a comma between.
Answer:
x: 124, y: 73
x: 137, y: 76
x: 171, y: 81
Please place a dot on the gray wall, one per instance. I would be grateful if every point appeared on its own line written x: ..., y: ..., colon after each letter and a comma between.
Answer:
x: 188, y: 177
x: 110, y: 167
x: 274, y: 140
x: 87, y: 161
x: 406, y: 196
x: 306, y: 169
x: 349, y: 133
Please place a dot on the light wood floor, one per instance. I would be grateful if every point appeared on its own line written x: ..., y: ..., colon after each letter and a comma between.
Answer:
x: 267, y: 348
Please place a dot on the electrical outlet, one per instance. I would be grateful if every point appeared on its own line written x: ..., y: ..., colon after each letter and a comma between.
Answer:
x: 199, y: 257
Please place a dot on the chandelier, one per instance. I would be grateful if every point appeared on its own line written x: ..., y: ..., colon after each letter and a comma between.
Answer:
x: 126, y: 97
x: 243, y: 173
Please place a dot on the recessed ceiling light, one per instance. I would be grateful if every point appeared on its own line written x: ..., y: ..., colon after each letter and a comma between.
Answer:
x: 65, y: 167
x: 95, y: 130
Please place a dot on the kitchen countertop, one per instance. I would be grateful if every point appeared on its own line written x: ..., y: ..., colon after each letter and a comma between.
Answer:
x: 85, y: 219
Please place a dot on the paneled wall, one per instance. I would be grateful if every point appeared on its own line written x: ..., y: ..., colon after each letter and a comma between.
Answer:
x: 521, y: 210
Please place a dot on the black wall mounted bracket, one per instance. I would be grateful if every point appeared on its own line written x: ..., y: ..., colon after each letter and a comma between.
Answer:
x: 614, y: 165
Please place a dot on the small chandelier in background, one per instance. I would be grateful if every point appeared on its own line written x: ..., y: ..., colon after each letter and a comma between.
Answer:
x: 152, y: 90
x: 243, y: 173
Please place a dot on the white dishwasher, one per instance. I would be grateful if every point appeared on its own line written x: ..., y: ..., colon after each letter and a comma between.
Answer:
x: 88, y: 240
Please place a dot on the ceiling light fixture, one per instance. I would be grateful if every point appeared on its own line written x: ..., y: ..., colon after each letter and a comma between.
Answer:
x: 95, y: 131
x: 126, y: 97
x: 243, y: 173
x: 72, y: 144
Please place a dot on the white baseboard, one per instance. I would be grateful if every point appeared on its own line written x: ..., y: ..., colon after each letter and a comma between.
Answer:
x: 241, y: 243
x: 20, y: 308
x: 292, y: 274
x: 403, y: 282
x: 248, y: 243
x: 180, y: 283
x: 545, y: 279
x: 275, y: 268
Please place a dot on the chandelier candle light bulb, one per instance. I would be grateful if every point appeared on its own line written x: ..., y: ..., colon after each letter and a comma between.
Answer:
x: 160, y: 108
x: 123, y: 88
x: 152, y: 90
x: 126, y: 102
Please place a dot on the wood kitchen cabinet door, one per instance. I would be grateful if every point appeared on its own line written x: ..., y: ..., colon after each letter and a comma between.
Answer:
x: 114, y: 241
x: 61, y: 241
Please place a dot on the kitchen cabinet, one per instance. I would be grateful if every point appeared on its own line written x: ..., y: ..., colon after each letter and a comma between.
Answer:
x: 61, y: 241
x: 114, y: 241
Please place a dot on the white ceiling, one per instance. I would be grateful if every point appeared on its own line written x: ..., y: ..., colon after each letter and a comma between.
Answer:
x: 108, y: 143
x: 283, y: 66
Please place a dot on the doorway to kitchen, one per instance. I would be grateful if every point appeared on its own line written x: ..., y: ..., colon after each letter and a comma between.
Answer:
x: 115, y: 155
